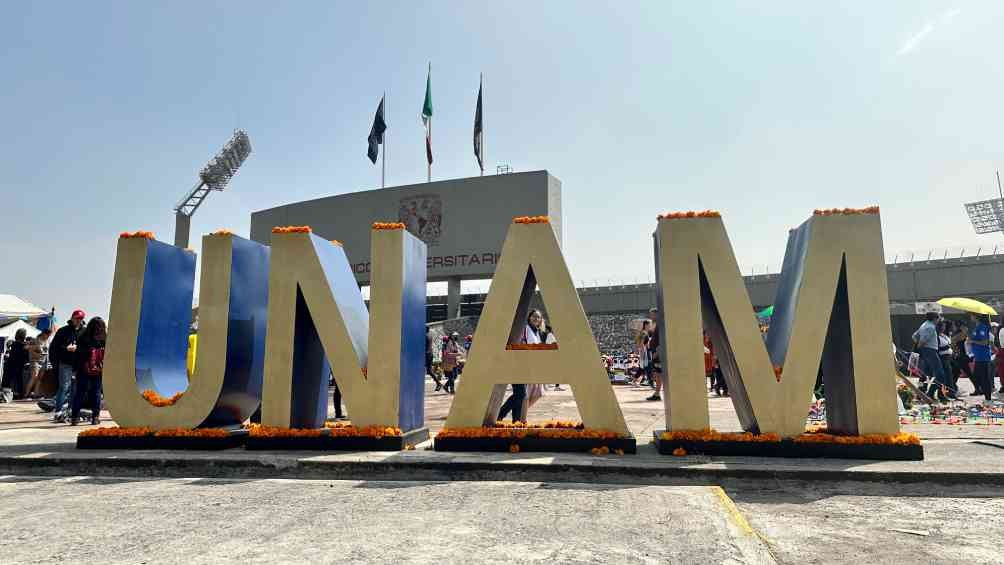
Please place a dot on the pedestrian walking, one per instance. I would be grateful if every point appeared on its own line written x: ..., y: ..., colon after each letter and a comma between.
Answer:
x: 979, y: 344
x: 925, y: 341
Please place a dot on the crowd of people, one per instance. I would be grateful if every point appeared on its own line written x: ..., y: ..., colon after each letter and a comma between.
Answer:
x: 73, y: 359
x: 950, y: 350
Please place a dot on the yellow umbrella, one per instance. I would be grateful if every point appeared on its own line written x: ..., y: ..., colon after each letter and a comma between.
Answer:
x: 968, y: 305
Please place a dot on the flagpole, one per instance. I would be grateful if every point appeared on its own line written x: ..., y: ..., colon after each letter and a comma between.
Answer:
x: 484, y: 155
x: 481, y: 91
x: 383, y: 154
x: 429, y: 142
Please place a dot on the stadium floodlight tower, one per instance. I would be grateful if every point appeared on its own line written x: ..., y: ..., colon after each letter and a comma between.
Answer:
x: 987, y: 216
x: 214, y: 176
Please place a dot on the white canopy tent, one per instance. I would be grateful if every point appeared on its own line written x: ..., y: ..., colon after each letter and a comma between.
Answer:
x: 12, y: 307
x: 8, y: 331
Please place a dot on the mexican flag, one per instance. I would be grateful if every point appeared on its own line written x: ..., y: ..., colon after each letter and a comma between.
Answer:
x: 427, y: 116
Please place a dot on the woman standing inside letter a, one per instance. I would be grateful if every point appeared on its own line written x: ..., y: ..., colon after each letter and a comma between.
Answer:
x: 517, y: 402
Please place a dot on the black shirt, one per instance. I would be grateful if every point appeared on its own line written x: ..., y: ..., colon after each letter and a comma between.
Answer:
x: 64, y: 337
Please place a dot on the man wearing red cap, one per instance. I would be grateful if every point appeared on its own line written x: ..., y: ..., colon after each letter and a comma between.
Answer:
x: 63, y: 353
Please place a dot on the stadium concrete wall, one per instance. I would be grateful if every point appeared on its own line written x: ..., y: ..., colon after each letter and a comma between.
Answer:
x: 463, y: 221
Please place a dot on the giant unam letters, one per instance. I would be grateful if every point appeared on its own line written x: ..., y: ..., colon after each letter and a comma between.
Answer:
x: 830, y: 316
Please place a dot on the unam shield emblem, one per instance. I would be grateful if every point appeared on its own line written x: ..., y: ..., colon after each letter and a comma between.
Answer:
x: 422, y: 215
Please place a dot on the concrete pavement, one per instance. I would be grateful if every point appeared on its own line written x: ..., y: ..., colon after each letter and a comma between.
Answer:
x: 960, y: 454
x: 192, y: 521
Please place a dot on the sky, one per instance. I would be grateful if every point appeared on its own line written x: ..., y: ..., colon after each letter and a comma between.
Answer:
x: 761, y: 110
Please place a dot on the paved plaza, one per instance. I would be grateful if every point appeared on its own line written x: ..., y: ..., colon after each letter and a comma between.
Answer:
x: 424, y: 506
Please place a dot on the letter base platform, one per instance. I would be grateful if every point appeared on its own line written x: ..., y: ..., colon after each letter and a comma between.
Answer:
x: 535, y: 444
x: 327, y: 442
x: 235, y: 437
x: 790, y: 448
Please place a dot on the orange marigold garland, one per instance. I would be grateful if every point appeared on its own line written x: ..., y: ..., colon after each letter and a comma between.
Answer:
x: 712, y: 435
x: 292, y: 229
x: 137, y: 235
x: 690, y: 214
x: 846, y: 211
x: 117, y: 432
x: 520, y: 432
x: 547, y: 424
x: 330, y: 429
x: 814, y: 435
x: 901, y: 438
x: 159, y: 401
x: 189, y: 432
x: 531, y: 220
x: 388, y: 226
x: 531, y: 346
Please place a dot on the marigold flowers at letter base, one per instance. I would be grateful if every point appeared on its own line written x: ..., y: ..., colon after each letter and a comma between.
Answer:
x: 679, y: 452
x: 117, y: 432
x: 813, y: 436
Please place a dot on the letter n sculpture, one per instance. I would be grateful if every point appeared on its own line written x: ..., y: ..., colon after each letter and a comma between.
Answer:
x: 318, y: 328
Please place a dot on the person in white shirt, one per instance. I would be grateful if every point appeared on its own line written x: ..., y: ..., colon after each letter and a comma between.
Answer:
x: 516, y: 402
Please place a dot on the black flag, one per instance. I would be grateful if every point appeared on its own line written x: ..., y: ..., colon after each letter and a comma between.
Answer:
x: 478, y: 134
x: 376, y: 134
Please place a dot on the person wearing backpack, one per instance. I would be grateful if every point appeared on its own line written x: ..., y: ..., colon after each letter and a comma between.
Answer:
x: 89, y: 367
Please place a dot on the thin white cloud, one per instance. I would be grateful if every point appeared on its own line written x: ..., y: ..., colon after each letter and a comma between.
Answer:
x: 914, y: 40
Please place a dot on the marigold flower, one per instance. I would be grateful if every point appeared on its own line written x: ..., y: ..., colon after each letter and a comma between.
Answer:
x: 712, y: 435
x: 689, y: 214
x: 292, y: 229
x: 845, y: 211
x: 814, y: 435
x: 549, y: 430
x: 514, y: 448
x: 159, y: 401
x: 531, y: 346
x: 777, y: 373
x: 531, y: 220
x: 388, y: 226
x: 189, y: 432
x: 619, y: 451
x: 223, y: 232
x: 330, y: 429
x: 137, y: 235
x: 336, y: 242
x: 116, y: 432
x: 602, y: 450
x: 679, y: 452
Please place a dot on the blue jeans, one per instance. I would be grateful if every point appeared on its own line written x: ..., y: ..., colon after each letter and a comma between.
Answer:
x: 64, y: 392
x: 932, y: 365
